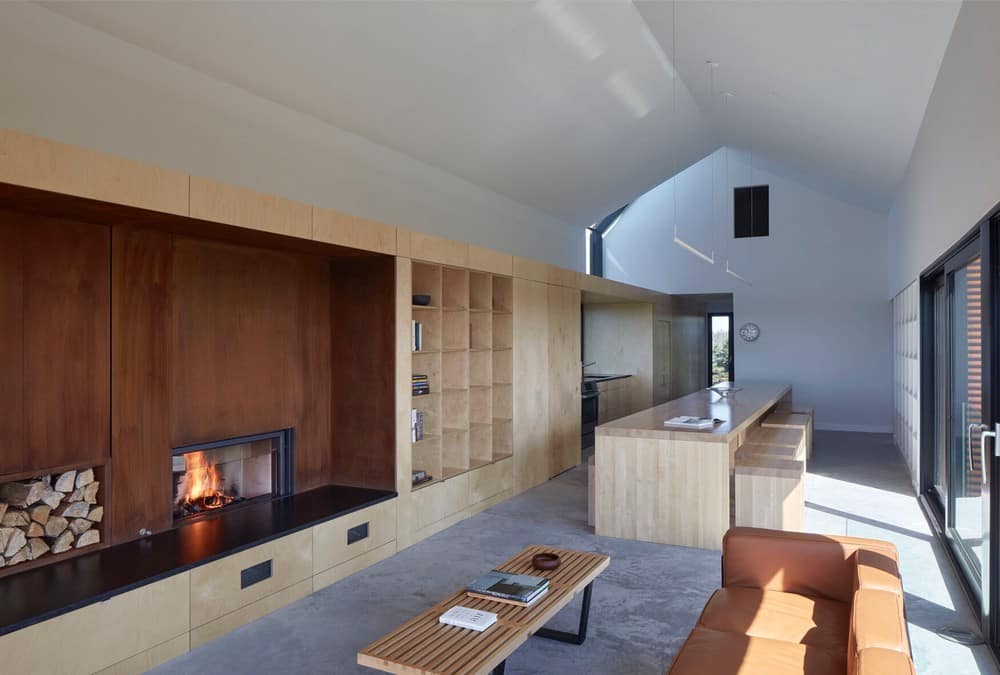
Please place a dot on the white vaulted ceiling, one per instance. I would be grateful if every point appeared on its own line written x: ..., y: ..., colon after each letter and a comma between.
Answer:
x: 566, y: 107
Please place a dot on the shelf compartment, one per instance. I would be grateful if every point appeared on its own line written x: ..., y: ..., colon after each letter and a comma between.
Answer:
x: 432, y: 414
x: 454, y: 287
x: 455, y: 409
x: 503, y: 439
x: 480, y: 444
x: 503, y: 366
x: 455, y: 450
x: 431, y: 329
x: 480, y: 331
x: 481, y: 369
x: 503, y: 294
x: 427, y: 281
x: 427, y: 457
x: 481, y: 405
x: 503, y: 331
x: 455, y: 330
x: 429, y: 364
x: 480, y: 291
x: 503, y: 401
x: 455, y: 370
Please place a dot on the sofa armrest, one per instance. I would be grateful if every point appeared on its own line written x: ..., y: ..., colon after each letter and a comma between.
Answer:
x: 808, y: 564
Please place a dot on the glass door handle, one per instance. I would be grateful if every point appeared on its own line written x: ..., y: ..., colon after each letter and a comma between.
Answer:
x: 982, y: 445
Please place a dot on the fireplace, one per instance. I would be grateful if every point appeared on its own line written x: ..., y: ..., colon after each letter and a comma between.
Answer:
x: 211, y: 478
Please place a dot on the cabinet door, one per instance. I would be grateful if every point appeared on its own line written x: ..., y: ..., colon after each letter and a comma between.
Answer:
x: 531, y: 386
x: 12, y: 458
x: 564, y: 378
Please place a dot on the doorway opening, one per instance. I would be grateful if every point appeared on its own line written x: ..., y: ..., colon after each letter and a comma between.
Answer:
x: 720, y: 347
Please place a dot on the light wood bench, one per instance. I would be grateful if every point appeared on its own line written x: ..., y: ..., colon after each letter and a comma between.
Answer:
x: 769, y: 440
x: 424, y: 645
x: 770, y: 492
x: 802, y: 421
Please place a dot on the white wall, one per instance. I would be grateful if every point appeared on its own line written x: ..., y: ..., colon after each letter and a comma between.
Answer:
x: 64, y: 81
x: 818, y: 282
x: 953, y: 177
x: 906, y: 376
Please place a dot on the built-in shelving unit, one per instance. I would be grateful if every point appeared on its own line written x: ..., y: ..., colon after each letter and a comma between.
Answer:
x: 466, y: 354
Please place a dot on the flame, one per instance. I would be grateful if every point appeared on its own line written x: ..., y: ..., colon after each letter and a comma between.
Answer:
x: 202, y: 484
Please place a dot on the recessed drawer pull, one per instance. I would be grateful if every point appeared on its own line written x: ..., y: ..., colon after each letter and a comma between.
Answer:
x: 255, y: 574
x: 357, y: 533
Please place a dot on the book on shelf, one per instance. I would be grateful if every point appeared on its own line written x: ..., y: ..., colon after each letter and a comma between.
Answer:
x: 416, y: 425
x: 420, y: 477
x: 466, y: 617
x: 518, y: 589
x: 692, y: 422
x: 416, y: 337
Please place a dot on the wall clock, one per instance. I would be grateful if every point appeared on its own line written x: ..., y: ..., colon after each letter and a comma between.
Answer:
x: 749, y: 332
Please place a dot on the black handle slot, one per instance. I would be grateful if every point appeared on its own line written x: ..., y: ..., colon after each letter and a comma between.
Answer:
x: 357, y: 533
x: 255, y: 574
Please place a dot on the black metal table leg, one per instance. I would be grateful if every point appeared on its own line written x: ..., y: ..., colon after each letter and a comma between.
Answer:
x: 499, y: 670
x: 572, y: 638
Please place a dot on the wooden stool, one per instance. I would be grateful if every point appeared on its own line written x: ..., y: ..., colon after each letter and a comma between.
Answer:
x: 793, y: 420
x: 770, y: 493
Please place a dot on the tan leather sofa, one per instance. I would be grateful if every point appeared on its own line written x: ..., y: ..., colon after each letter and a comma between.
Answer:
x: 801, y: 603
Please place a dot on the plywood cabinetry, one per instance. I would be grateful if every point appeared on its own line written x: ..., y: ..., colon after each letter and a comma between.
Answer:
x: 223, y: 203
x: 333, y: 227
x: 46, y: 165
x: 531, y: 383
x: 564, y: 378
x: 434, y: 249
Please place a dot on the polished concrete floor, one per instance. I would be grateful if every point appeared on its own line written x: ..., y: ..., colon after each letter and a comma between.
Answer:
x: 643, y: 605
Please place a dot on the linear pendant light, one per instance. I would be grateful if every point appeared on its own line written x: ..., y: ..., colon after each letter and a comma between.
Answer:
x: 707, y: 257
x: 729, y: 270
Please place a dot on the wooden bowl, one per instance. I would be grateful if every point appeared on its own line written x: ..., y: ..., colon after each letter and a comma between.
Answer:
x: 545, y: 561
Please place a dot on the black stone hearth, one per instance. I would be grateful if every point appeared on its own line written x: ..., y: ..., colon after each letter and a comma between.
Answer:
x: 45, y: 592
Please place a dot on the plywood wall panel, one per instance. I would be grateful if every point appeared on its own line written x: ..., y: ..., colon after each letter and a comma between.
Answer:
x: 222, y: 203
x: 346, y: 230
x: 142, y: 310
x: 13, y: 458
x: 66, y: 318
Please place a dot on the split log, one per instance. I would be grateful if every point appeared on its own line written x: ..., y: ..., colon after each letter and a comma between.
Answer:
x: 84, y: 478
x: 36, y: 548
x: 56, y: 526
x: 75, y: 496
x: 3, y: 561
x: 5, y: 534
x: 80, y: 525
x: 16, y: 518
x: 18, y: 557
x: 52, y: 498
x: 35, y: 530
x: 63, y: 542
x: 88, y: 538
x: 73, y: 510
x: 22, y: 495
x: 15, y: 543
x: 3, y: 509
x: 40, y: 513
x: 64, y: 483
x: 96, y: 514
x: 90, y: 492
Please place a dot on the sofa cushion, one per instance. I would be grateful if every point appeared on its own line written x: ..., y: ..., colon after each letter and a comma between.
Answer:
x: 721, y: 653
x: 779, y: 616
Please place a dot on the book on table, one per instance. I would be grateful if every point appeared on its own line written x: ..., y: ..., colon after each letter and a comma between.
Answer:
x: 466, y: 617
x: 691, y: 422
x: 518, y: 589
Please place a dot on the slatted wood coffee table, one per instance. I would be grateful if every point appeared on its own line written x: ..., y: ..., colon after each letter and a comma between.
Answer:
x: 425, y: 645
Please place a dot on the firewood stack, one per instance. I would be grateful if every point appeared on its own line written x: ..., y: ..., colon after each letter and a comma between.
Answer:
x: 48, y: 515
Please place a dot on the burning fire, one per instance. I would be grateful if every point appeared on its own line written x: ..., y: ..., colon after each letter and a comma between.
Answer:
x: 201, y: 487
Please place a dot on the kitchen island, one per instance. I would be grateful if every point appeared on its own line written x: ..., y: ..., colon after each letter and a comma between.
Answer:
x: 673, y: 486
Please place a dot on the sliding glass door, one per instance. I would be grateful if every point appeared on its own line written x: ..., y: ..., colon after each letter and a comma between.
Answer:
x: 957, y: 402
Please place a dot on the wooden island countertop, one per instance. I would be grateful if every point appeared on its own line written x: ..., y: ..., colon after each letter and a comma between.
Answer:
x: 673, y: 486
x: 739, y: 410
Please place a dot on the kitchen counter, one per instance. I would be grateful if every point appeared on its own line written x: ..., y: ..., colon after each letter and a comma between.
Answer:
x: 672, y: 486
